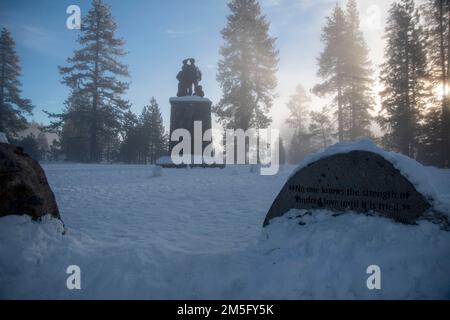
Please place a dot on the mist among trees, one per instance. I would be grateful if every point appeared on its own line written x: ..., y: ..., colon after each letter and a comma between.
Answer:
x: 97, y: 125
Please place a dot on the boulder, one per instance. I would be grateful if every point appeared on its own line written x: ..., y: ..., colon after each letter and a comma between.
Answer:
x: 24, y: 189
x: 360, y: 181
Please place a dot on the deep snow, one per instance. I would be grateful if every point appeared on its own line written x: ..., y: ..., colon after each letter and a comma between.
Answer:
x: 137, y: 232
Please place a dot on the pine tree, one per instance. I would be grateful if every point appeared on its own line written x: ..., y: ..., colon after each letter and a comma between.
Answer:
x: 321, y: 129
x: 298, y: 106
x: 131, y: 139
x: 143, y: 138
x: 282, y: 152
x: 405, y: 78
x: 13, y: 107
x: 358, y: 74
x: 246, y: 72
x: 437, y: 123
x: 345, y: 67
x: 92, y: 77
x: 72, y: 126
x: 332, y: 65
x: 153, y: 131
x: 31, y: 146
x: 299, y: 147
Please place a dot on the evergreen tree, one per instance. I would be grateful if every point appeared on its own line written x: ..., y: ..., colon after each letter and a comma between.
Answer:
x: 92, y: 76
x: 144, y: 137
x: 282, y: 151
x: 72, y: 127
x: 333, y: 62
x: 153, y: 131
x: 299, y: 147
x: 429, y: 151
x: 345, y: 67
x: 321, y: 129
x: 405, y: 77
x: 246, y: 72
x: 31, y: 146
x: 437, y: 119
x: 131, y: 145
x: 298, y: 106
x: 358, y: 74
x: 13, y: 107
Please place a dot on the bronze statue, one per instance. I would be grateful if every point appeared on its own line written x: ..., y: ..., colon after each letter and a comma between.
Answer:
x: 190, y: 75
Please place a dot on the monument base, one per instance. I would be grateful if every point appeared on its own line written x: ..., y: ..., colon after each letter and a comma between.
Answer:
x: 185, y: 111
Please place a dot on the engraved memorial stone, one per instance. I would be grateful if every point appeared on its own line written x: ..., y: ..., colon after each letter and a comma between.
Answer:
x: 360, y: 181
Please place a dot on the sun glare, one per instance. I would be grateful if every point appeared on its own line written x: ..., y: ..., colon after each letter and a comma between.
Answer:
x: 441, y: 90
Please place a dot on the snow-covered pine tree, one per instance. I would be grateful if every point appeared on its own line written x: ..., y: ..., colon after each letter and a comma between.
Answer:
x: 13, y: 107
x: 92, y: 76
x: 246, y: 71
x: 405, y: 78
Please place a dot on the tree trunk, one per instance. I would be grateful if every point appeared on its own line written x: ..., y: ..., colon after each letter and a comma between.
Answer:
x: 446, y: 105
x: 445, y: 102
x: 352, y: 98
x: 406, y: 144
x: 340, y: 114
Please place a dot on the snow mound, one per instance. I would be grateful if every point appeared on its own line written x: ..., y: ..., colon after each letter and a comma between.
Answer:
x: 324, y: 257
x: 318, y: 255
x: 415, y: 172
x: 196, y: 234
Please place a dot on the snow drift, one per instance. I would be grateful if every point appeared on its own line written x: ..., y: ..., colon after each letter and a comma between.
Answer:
x: 196, y: 234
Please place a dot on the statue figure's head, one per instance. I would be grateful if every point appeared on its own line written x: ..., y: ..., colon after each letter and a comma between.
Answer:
x: 192, y: 61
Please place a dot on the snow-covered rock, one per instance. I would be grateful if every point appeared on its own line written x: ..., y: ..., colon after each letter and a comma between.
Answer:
x: 415, y: 172
x: 353, y: 176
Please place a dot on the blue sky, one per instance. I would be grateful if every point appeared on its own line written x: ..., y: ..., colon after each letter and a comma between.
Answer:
x: 159, y: 34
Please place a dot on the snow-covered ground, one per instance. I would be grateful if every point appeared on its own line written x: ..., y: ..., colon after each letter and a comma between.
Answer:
x: 197, y: 234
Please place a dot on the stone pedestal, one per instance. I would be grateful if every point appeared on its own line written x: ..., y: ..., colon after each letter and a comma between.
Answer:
x: 184, y: 112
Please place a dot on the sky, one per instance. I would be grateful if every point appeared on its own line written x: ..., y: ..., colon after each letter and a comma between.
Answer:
x: 160, y: 34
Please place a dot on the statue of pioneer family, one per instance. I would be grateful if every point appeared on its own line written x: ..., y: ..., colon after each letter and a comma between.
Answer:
x: 189, y: 77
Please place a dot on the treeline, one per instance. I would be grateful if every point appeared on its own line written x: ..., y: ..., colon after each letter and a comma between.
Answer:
x: 97, y: 125
x: 414, y: 116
